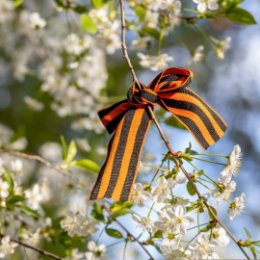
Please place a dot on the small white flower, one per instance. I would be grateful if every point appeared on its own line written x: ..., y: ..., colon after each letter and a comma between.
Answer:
x: 36, y: 22
x: 16, y: 166
x: 140, y: 43
x: 203, y: 5
x: 226, y: 190
x: 7, y: 247
x: 222, y: 47
x: 197, y: 55
x: 4, y: 186
x: 95, y: 251
x: 154, y: 63
x: 172, y: 250
x: 33, y: 104
x: 236, y: 206
x: 144, y: 223
x: 219, y: 236
x: 139, y: 195
x: 161, y: 191
x: 78, y: 224
x: 235, y: 159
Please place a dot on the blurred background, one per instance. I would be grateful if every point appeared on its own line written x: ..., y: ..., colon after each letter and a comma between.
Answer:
x: 33, y: 116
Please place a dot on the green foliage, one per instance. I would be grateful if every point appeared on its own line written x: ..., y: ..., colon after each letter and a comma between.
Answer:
x: 240, y: 16
x: 114, y: 233
x: 98, y: 212
x: 87, y: 24
x: 87, y: 165
x: 191, y: 189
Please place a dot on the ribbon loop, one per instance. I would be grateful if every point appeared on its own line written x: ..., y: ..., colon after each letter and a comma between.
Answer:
x: 130, y: 121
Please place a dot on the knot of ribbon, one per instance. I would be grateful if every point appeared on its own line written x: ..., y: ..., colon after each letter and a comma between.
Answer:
x: 129, y: 120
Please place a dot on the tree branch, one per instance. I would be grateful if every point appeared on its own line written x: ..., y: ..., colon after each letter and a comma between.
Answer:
x: 35, y: 158
x: 132, y: 236
x: 36, y: 249
x: 162, y: 134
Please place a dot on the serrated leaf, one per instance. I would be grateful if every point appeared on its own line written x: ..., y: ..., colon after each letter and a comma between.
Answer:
x: 88, y: 165
x: 114, y: 233
x: 190, y: 188
x: 28, y: 211
x: 240, y: 16
x: 72, y: 151
x: 173, y: 121
x: 87, y: 24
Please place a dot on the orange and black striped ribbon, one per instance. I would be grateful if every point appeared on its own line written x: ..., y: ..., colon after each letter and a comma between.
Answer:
x: 130, y: 121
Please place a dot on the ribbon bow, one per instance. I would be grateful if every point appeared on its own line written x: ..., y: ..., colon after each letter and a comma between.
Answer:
x: 130, y: 121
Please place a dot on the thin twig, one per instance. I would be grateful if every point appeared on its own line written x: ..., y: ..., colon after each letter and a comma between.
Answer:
x: 36, y: 158
x: 36, y: 249
x: 164, y: 137
x: 133, y: 237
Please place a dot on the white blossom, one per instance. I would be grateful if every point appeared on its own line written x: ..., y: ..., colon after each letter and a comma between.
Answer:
x: 78, y: 224
x: 236, y: 206
x: 219, y: 236
x: 225, y: 190
x: 197, y: 55
x: 95, y: 251
x: 16, y: 166
x: 139, y: 195
x: 36, y: 21
x: 204, y: 5
x: 173, y: 220
x: 144, y: 223
x: 154, y: 63
x: 222, y: 47
x: 235, y: 159
x: 7, y: 247
x: 33, y: 104
x: 4, y: 186
x: 6, y: 10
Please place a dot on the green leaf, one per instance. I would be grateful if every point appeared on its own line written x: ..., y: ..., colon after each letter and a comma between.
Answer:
x: 28, y: 211
x: 8, y: 178
x: 158, y: 234
x: 72, y: 151
x: 98, y: 212
x: 80, y: 9
x: 173, y: 121
x: 140, y: 11
x: 114, y: 233
x: 97, y: 3
x: 151, y: 32
x: 88, y: 165
x: 64, y: 147
x: 118, y: 205
x: 240, y: 16
x: 247, y: 233
x: 120, y: 213
x: 214, y: 211
x: 87, y: 24
x: 190, y: 188
x: 18, y: 3
x: 14, y: 199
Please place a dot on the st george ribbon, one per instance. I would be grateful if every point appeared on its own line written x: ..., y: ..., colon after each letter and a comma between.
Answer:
x: 129, y: 122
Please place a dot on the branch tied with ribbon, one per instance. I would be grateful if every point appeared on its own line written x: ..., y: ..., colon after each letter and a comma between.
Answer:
x: 129, y: 120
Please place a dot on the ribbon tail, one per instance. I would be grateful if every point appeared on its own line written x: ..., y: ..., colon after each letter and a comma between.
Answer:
x: 118, y: 174
x: 206, y: 125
